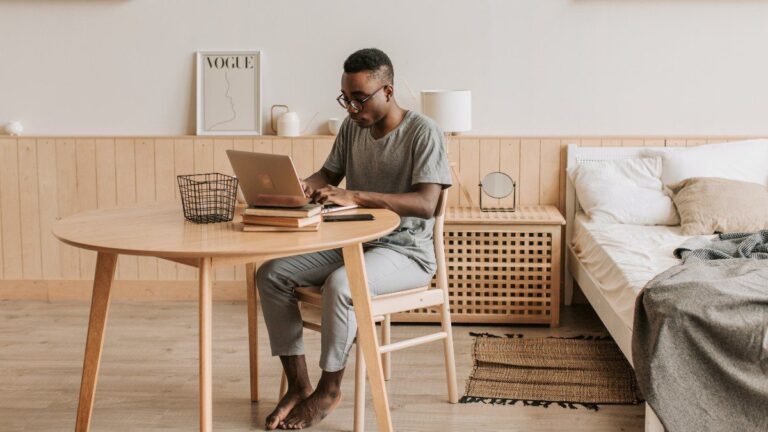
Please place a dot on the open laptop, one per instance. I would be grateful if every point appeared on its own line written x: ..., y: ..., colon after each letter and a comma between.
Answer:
x: 270, y: 180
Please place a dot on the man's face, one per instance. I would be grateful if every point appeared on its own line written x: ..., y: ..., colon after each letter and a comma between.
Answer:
x: 360, y: 85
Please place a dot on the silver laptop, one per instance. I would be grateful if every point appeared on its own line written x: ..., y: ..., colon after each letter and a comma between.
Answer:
x: 270, y: 180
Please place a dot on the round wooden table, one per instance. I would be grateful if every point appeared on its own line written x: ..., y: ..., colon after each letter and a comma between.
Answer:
x: 160, y: 230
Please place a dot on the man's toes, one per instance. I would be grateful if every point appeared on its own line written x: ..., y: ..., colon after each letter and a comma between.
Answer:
x: 291, y: 422
x: 275, y: 419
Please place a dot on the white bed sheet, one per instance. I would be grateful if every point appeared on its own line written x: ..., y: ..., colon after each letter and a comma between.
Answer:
x: 623, y: 258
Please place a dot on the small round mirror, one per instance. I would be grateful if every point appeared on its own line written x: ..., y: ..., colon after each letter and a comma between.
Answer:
x: 497, y: 185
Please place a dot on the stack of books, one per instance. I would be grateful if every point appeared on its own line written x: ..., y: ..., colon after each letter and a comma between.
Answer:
x: 276, y: 219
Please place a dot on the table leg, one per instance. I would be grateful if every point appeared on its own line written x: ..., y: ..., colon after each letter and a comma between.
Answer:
x: 366, y: 332
x: 102, y: 283
x: 253, y: 329
x: 206, y: 398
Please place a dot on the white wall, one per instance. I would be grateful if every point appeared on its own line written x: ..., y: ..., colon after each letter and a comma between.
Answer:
x: 96, y: 67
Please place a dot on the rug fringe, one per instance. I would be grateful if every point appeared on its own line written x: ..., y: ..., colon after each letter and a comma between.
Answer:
x: 520, y: 335
x: 537, y: 403
x: 473, y: 334
x: 583, y: 337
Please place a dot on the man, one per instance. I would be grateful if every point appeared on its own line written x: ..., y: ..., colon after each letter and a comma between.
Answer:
x: 392, y: 158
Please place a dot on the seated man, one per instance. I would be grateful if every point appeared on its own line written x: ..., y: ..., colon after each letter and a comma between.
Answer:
x: 392, y: 158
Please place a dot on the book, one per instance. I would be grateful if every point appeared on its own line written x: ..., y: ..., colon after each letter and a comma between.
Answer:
x: 267, y: 228
x: 330, y: 208
x: 281, y: 221
x: 308, y: 210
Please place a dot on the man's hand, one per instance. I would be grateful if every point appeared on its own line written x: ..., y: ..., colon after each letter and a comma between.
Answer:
x: 333, y: 194
x: 319, y: 180
x: 307, y: 188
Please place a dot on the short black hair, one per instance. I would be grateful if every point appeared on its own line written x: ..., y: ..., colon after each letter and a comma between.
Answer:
x: 373, y: 60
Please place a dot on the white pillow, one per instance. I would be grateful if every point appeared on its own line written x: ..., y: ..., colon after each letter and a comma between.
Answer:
x: 742, y: 161
x: 625, y: 191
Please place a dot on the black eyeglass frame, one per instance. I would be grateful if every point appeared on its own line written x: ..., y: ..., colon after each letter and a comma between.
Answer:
x: 346, y: 103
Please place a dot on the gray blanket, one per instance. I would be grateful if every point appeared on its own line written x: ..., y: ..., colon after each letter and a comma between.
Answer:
x: 700, y: 345
x: 732, y: 245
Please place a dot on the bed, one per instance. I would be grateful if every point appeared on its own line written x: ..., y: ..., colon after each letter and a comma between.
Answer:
x: 609, y: 272
x: 700, y: 326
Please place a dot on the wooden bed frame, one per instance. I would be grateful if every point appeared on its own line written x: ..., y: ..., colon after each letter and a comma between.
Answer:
x: 576, y: 271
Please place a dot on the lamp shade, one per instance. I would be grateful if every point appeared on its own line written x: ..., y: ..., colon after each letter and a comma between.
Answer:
x: 450, y: 109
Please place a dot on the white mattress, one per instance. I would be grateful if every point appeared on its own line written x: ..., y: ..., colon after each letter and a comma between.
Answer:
x: 623, y: 258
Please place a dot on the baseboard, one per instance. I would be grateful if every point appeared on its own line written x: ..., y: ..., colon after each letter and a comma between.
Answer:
x: 55, y: 290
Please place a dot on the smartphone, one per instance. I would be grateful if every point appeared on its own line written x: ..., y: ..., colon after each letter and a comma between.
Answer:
x: 347, y: 218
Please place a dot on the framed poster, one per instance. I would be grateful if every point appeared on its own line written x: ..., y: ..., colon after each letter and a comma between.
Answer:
x: 229, y: 92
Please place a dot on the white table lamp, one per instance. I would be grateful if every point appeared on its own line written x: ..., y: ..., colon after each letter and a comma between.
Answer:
x: 452, y: 111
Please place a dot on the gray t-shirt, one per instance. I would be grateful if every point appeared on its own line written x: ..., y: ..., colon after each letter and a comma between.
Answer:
x: 414, y: 152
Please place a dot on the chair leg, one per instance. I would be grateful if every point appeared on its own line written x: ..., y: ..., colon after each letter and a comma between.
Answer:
x: 283, y: 385
x: 359, y: 390
x: 386, y: 339
x: 450, y: 361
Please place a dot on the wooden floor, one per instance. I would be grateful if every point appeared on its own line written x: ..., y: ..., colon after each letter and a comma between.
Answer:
x: 148, y: 379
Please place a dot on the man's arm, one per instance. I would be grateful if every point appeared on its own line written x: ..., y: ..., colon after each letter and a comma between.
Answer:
x: 419, y: 203
x: 319, y: 180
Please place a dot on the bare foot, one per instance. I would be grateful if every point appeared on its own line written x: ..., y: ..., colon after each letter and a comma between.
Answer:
x: 286, y: 404
x: 311, y: 410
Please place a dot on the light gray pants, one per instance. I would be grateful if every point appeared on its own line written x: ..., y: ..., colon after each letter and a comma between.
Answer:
x: 388, y: 271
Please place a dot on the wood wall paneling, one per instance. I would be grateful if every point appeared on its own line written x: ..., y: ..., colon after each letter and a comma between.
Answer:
x: 530, y: 158
x: 509, y: 163
x: 221, y: 165
x: 146, y: 193
x: 165, y: 187
x: 454, y: 160
x: 489, y: 162
x: 469, y: 152
x: 44, y: 178
x: 259, y: 146
x: 321, y: 151
x: 87, y: 195
x: 184, y: 163
x: 9, y: 210
x: 66, y: 170
x: 47, y: 187
x: 303, y: 155
x: 31, y: 255
x: 549, y: 172
x: 125, y: 180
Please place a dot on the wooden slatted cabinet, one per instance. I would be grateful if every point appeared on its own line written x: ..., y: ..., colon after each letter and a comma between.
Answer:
x: 503, y: 267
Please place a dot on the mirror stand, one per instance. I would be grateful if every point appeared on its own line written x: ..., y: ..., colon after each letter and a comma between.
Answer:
x: 498, y: 185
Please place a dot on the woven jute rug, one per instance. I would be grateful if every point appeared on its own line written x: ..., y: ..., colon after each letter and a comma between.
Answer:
x: 582, y: 371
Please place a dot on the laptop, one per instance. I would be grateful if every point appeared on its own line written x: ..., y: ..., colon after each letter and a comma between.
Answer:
x: 271, y: 180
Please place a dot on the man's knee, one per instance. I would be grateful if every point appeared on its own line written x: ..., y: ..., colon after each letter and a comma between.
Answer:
x: 266, y: 273
x: 336, y: 287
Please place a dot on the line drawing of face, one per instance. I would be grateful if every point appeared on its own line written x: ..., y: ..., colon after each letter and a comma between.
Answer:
x: 229, y: 93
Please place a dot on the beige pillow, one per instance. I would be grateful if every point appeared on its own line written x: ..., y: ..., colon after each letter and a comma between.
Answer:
x: 708, y: 205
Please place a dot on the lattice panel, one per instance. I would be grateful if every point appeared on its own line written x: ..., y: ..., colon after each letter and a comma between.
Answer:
x: 496, y: 275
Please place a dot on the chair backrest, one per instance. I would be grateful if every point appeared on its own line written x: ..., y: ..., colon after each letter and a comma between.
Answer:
x: 437, y: 239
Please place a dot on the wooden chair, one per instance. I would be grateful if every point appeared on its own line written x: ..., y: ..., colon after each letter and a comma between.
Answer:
x: 310, y: 303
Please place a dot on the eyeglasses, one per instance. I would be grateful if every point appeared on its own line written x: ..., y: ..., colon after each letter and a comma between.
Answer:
x: 355, y: 104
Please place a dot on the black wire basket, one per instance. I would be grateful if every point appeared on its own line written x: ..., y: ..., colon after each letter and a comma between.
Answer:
x: 208, y: 198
